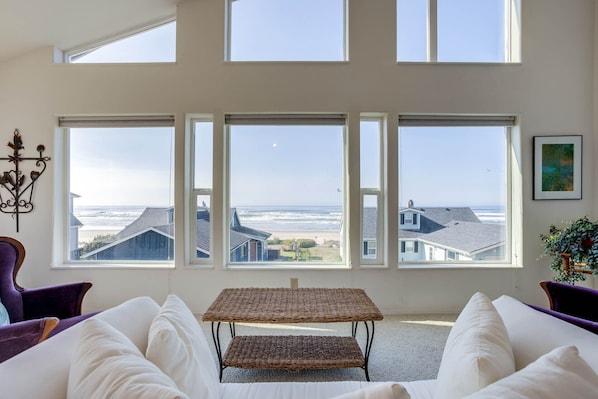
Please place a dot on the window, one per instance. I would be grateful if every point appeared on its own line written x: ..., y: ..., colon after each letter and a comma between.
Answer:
x: 119, y: 189
x: 458, y: 31
x: 371, y: 183
x: 286, y: 30
x: 200, y: 242
x: 454, y: 174
x: 286, y: 189
x: 155, y: 44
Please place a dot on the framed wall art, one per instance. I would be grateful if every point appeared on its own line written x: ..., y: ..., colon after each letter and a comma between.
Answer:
x: 557, y: 167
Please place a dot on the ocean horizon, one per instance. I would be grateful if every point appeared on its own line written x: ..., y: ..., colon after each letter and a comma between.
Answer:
x: 266, y: 218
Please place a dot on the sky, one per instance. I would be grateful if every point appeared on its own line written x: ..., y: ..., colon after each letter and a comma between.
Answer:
x: 112, y: 167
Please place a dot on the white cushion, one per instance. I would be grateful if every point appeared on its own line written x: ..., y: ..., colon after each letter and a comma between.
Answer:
x: 533, y: 333
x: 52, y: 358
x: 561, y: 373
x: 177, y: 345
x: 477, y: 351
x: 106, y: 364
x: 390, y: 390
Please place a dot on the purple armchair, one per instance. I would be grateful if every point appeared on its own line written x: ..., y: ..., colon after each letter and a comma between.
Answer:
x: 573, y: 304
x: 34, y: 313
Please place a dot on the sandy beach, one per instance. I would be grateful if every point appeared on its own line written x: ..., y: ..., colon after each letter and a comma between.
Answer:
x: 319, y: 236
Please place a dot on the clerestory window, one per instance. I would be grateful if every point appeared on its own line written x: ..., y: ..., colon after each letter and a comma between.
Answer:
x: 485, y: 31
x: 286, y: 30
x: 154, y: 44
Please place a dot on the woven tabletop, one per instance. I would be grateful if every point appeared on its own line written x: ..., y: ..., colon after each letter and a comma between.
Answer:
x: 292, y: 305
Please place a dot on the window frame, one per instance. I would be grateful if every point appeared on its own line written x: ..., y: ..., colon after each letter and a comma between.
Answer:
x: 192, y: 192
x: 69, y: 56
x: 379, y: 193
x: 228, y: 37
x: 62, y: 226
x: 294, y: 119
x: 513, y: 248
x: 512, y: 35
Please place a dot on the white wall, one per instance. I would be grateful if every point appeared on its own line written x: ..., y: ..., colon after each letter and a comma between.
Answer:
x: 552, y: 90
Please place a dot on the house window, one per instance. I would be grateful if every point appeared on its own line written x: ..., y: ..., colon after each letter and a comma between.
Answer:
x: 154, y: 44
x: 119, y: 191
x: 371, y: 183
x: 369, y: 249
x: 454, y: 171
x: 458, y: 31
x: 285, y: 190
x: 286, y: 30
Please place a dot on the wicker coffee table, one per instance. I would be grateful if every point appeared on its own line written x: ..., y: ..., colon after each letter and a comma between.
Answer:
x: 293, y: 305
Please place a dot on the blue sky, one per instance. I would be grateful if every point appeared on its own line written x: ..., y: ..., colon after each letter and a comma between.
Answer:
x: 465, y: 166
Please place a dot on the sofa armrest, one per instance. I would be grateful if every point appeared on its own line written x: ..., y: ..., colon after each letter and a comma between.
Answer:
x: 572, y: 300
x: 589, y: 325
x: 22, y: 335
x: 62, y: 301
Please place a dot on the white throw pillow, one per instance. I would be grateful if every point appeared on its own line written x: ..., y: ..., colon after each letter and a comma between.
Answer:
x: 178, y: 346
x: 477, y: 352
x: 559, y: 374
x: 390, y: 390
x: 106, y: 364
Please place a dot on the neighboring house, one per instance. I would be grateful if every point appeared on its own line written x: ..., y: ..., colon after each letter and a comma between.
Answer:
x: 151, y: 237
x: 439, y: 234
x: 75, y: 224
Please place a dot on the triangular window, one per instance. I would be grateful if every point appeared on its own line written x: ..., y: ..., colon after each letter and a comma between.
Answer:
x: 156, y: 44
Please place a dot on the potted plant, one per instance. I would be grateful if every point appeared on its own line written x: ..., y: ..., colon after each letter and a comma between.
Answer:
x: 573, y: 250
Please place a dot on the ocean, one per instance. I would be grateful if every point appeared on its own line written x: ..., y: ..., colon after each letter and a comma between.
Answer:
x: 298, y: 218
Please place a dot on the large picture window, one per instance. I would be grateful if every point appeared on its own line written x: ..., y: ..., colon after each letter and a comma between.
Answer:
x: 453, y: 189
x: 120, y: 189
x: 286, y: 179
x: 286, y: 30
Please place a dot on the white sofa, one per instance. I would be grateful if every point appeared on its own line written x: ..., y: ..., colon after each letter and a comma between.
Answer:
x: 43, y: 371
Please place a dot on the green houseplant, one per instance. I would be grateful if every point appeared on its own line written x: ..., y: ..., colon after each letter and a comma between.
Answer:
x: 576, y: 243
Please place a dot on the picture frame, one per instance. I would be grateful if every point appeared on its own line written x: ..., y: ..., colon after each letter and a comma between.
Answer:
x: 557, y: 167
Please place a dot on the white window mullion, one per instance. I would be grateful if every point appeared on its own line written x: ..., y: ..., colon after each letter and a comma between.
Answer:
x: 432, y: 31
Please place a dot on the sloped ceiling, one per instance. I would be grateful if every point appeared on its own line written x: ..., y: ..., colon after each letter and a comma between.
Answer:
x: 26, y: 25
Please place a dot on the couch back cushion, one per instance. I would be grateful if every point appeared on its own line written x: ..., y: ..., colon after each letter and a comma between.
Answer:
x: 178, y: 346
x: 42, y: 371
x: 558, y: 374
x: 106, y: 364
x: 477, y: 352
x: 533, y: 333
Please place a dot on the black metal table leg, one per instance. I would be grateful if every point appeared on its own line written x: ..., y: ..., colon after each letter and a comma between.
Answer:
x: 369, y: 339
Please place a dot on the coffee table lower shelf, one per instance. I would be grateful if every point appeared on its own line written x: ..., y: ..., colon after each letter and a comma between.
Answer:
x: 293, y: 352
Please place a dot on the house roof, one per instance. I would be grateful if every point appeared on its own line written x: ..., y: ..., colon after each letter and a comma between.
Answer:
x: 67, y: 24
x: 467, y: 236
x: 158, y: 219
x: 453, y: 227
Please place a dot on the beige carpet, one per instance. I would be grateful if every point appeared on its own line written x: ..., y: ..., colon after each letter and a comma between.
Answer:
x: 405, y: 348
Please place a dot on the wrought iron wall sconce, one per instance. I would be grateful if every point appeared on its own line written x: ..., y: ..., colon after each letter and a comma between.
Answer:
x: 16, y: 191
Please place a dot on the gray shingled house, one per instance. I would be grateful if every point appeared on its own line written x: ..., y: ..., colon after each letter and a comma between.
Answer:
x: 150, y: 237
x: 439, y: 234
